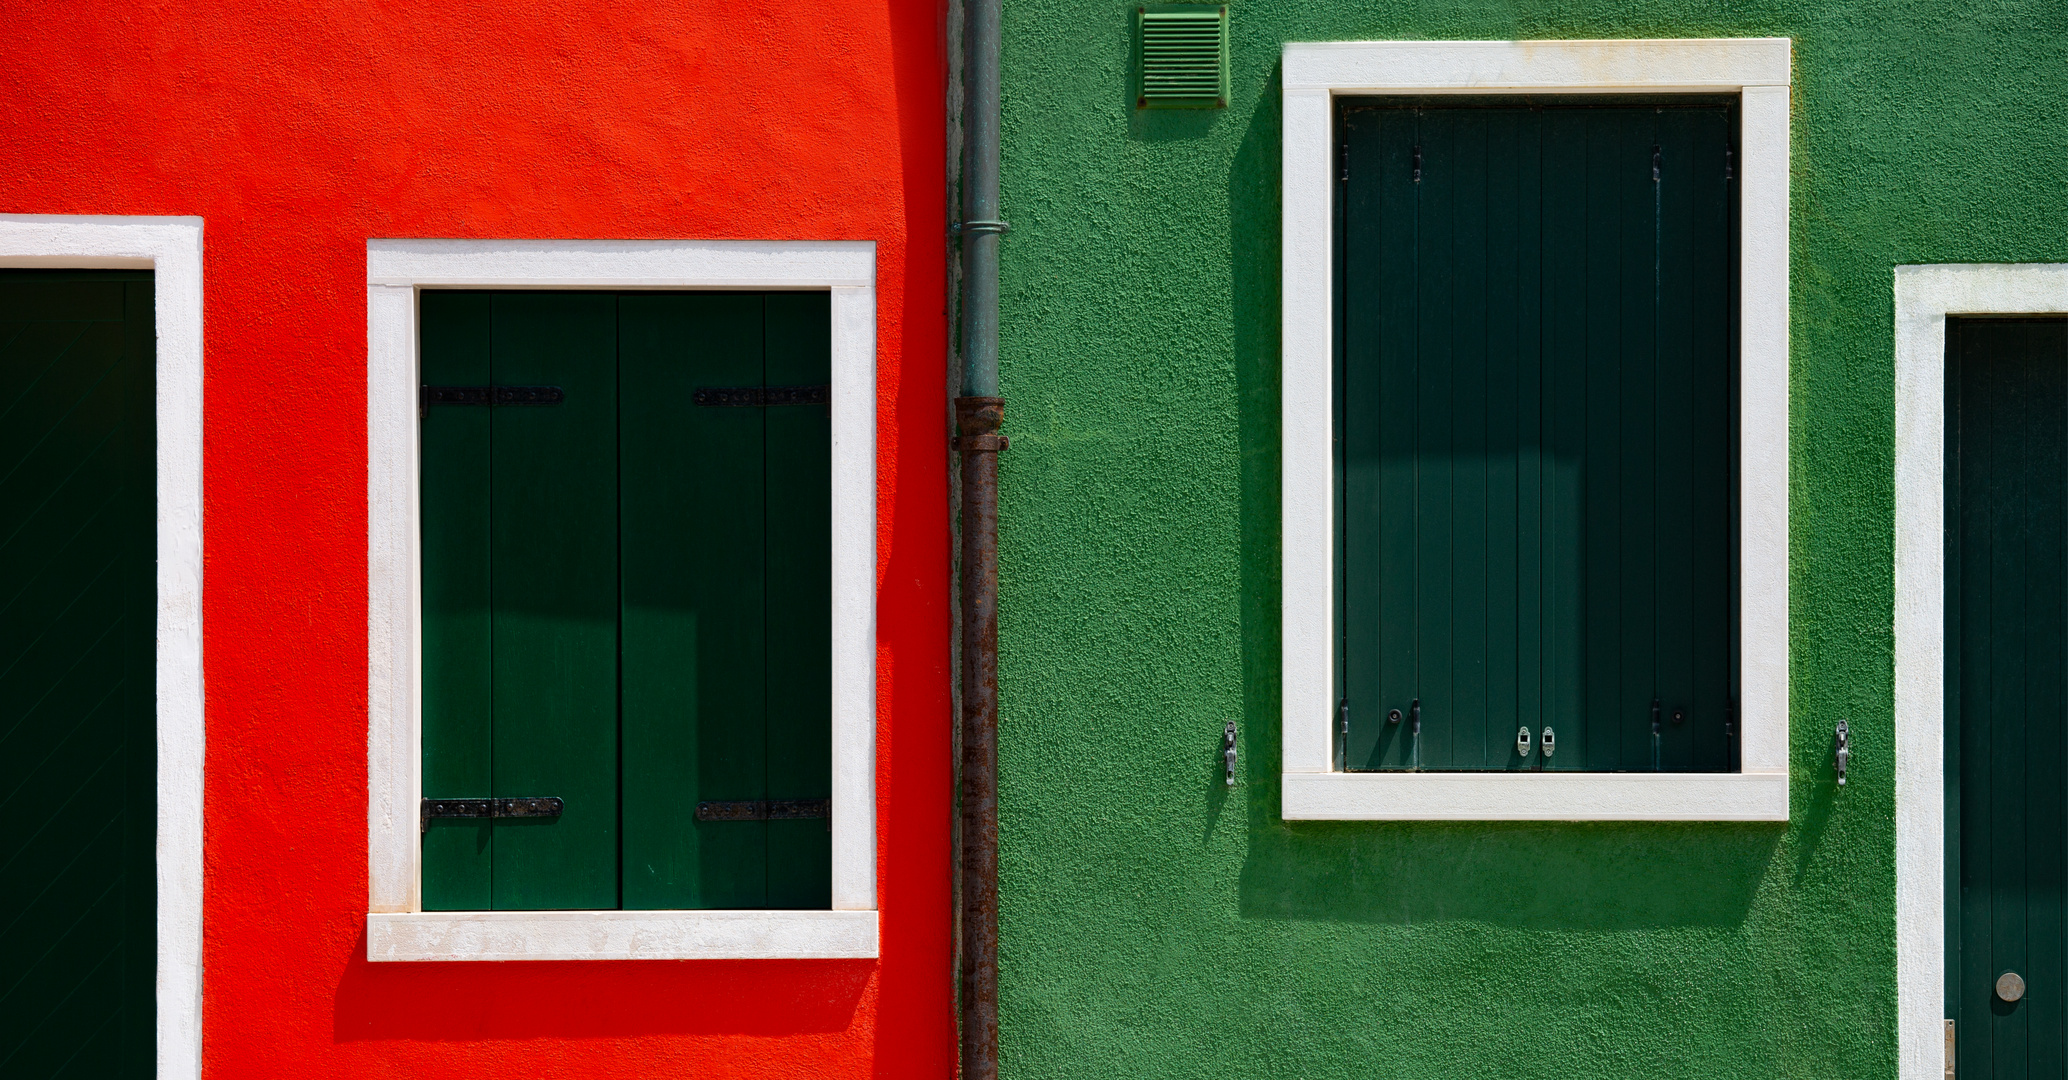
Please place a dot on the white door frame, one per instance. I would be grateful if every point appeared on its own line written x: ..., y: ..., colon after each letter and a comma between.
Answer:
x: 1925, y: 296
x: 170, y: 247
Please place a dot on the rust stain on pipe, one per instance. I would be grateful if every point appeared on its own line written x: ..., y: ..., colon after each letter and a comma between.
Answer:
x: 977, y: 420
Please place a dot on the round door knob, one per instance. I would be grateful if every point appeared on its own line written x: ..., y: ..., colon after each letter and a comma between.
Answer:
x: 2010, y: 986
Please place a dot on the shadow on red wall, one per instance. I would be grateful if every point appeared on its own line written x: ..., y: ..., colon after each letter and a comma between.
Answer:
x: 586, y: 999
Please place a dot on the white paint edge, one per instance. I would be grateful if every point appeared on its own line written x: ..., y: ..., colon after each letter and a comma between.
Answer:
x: 1924, y: 297
x: 621, y: 264
x: 396, y: 270
x: 1758, y: 68
x: 171, y: 248
x: 1667, y: 64
x: 1450, y: 796
x: 623, y: 935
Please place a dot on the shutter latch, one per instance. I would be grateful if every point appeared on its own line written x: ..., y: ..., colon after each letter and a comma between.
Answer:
x: 546, y: 806
x: 1228, y: 750
x: 757, y: 397
x: 765, y: 810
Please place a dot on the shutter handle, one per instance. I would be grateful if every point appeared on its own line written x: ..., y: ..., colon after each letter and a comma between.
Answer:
x: 1228, y: 750
x: 1843, y: 755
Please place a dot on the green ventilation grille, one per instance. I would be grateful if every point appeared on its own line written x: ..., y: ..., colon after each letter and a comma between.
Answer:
x: 1182, y: 57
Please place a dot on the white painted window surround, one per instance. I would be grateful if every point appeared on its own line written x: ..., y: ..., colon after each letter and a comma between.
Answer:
x: 1756, y: 69
x: 170, y: 247
x: 396, y: 926
x: 1925, y: 296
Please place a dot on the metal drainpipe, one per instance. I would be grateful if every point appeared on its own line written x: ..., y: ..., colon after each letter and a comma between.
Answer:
x: 978, y: 416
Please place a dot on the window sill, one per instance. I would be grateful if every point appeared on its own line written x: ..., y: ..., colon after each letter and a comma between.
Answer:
x: 1535, y: 796
x: 621, y: 935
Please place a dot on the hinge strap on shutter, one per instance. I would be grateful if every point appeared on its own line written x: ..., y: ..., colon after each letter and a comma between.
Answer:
x: 535, y: 806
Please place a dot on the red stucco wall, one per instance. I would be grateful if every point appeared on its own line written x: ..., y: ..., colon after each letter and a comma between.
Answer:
x: 299, y: 129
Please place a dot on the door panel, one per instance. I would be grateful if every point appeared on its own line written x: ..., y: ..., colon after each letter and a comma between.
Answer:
x: 77, y: 729
x: 2007, y: 389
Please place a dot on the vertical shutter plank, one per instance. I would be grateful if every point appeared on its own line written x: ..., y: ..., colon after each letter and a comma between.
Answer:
x: 1673, y: 427
x: 799, y: 496
x: 554, y: 596
x: 693, y: 601
x: 1564, y: 389
x: 1435, y: 476
x: 454, y: 527
x: 1468, y: 745
x: 1507, y: 330
x: 1713, y: 628
x: 1636, y: 520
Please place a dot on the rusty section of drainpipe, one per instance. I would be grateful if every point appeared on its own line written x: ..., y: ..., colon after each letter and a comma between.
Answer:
x: 978, y: 419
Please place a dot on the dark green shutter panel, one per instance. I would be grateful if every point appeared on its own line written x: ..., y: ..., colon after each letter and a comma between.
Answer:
x: 627, y: 600
x: 77, y: 717
x: 1181, y: 58
x: 2007, y: 631
x: 1537, y: 437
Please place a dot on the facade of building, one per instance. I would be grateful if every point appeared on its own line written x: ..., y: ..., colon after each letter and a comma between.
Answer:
x: 1161, y: 531
x: 342, y: 209
x: 1529, y: 543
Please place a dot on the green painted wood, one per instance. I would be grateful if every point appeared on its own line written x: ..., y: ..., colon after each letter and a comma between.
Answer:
x: 799, y: 501
x: 2007, y: 500
x: 627, y: 599
x: 1379, y: 381
x: 77, y: 746
x: 695, y: 576
x: 1536, y: 439
x: 454, y: 522
x: 1564, y: 390
x: 553, y: 594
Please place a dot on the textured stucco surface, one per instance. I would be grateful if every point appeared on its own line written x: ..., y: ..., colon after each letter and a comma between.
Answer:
x: 1157, y: 923
x: 297, y: 130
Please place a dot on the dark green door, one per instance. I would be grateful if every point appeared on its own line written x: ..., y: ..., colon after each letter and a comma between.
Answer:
x: 2007, y: 702
x: 1536, y: 435
x: 627, y: 598
x: 77, y: 731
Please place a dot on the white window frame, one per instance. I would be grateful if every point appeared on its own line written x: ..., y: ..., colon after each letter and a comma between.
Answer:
x: 397, y: 927
x: 1757, y: 69
x: 1925, y: 297
x: 170, y: 247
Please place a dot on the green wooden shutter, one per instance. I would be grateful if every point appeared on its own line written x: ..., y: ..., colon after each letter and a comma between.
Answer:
x: 453, y: 495
x: 799, y: 498
x: 1536, y: 418
x: 77, y: 722
x: 2007, y: 628
x: 682, y: 643
x: 696, y: 639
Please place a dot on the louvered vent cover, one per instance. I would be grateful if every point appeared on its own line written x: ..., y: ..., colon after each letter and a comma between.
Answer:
x: 1182, y: 62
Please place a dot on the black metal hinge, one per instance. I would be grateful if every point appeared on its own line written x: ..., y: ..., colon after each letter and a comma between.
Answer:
x: 489, y: 395
x: 539, y: 806
x: 765, y: 810
x: 755, y: 397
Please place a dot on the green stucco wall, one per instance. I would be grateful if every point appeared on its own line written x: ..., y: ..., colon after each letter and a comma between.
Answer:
x: 1157, y: 923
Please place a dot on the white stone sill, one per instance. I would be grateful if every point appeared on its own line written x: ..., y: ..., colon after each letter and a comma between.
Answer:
x: 621, y: 935
x: 1535, y: 796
